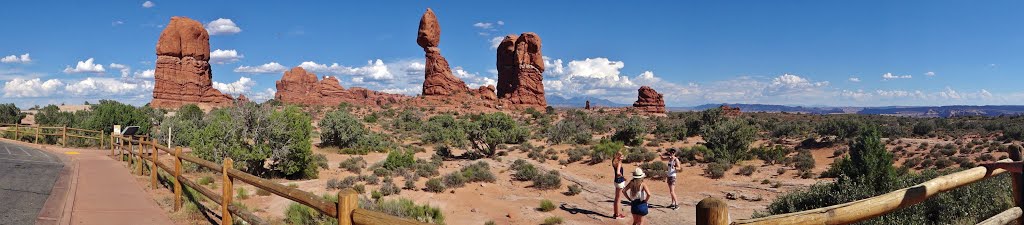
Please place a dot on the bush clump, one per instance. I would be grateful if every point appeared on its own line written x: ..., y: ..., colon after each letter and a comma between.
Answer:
x: 546, y: 206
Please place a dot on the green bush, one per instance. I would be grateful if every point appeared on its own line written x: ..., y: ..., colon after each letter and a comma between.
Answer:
x: 254, y: 135
x: 548, y: 181
x: 9, y: 113
x: 631, y: 131
x: 573, y: 129
x: 655, y: 169
x: 446, y: 130
x: 478, y: 172
x: 408, y: 120
x: 399, y: 159
x: 406, y: 208
x: 639, y: 154
x: 494, y: 129
x: 605, y: 150
x: 546, y: 206
x: 301, y: 214
x: 803, y: 161
x: 353, y: 164
x: 729, y: 140
x: 389, y: 188
x: 717, y: 170
x: 340, y: 129
x: 747, y: 170
x: 554, y: 220
x: 574, y: 189
x: 435, y: 185
x: 524, y: 171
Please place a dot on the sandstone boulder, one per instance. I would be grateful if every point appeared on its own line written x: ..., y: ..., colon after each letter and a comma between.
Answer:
x: 438, y: 79
x: 183, y: 73
x: 649, y: 100
x: 299, y: 86
x: 487, y: 93
x: 521, y: 70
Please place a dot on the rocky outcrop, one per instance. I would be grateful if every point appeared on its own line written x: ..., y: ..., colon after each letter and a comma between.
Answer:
x: 438, y: 79
x: 520, y: 70
x: 730, y: 111
x: 299, y: 86
x: 487, y: 93
x: 649, y: 100
x: 241, y: 98
x: 183, y: 73
x: 587, y: 107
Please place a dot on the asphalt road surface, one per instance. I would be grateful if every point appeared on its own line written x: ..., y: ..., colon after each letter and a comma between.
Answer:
x: 26, y: 177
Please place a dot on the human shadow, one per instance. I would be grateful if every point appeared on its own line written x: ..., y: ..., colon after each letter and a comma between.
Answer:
x: 576, y: 210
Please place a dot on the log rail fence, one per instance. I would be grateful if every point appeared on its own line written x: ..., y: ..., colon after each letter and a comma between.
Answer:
x: 142, y: 154
x: 714, y: 211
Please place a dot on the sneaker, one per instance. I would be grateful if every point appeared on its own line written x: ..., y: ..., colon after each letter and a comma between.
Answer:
x: 673, y: 206
x: 620, y: 216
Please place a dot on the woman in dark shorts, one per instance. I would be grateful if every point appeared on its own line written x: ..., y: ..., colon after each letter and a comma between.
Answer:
x: 673, y: 167
x: 636, y: 192
x: 620, y: 182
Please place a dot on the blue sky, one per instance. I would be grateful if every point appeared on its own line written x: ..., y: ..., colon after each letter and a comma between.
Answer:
x: 863, y: 53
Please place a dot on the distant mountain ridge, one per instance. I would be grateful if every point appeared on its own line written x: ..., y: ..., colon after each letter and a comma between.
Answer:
x: 580, y: 102
x: 913, y: 111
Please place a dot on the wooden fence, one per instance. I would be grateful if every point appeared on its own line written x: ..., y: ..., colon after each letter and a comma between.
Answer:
x: 140, y: 150
x: 37, y: 132
x: 714, y: 211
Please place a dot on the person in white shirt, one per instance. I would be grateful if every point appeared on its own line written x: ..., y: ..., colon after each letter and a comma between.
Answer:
x: 673, y: 167
x: 636, y: 192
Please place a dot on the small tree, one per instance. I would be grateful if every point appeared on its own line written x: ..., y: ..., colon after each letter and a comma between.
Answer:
x: 729, y: 141
x: 341, y: 129
x: 631, y: 131
x: 867, y: 163
x: 494, y: 129
x: 9, y: 113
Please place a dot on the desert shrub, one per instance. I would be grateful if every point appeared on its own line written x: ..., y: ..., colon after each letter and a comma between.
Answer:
x: 446, y: 130
x: 547, y: 181
x: 371, y: 179
x: 435, y: 185
x: 493, y: 129
x: 205, y: 180
x: 717, y: 169
x: 408, y: 120
x: 671, y: 129
x: 546, y: 206
x: 573, y: 129
x: 340, y: 129
x: 405, y: 208
x: 254, y: 135
x: 427, y: 169
x: 301, y: 214
x: 524, y: 171
x: 574, y: 189
x: 454, y: 180
x: 9, y: 113
x: 353, y: 164
x: 410, y: 184
x: 807, y: 174
x: 655, y: 169
x: 639, y: 154
x: 924, y: 127
x: 576, y: 154
x: 399, y: 159
x: 242, y: 193
x: 554, y: 220
x: 943, y: 162
x: 605, y: 150
x: 840, y: 127
x: 771, y: 155
x: 388, y: 187
x: 478, y: 172
x: 803, y: 161
x: 631, y: 131
x: 728, y: 141
x: 868, y: 162
x: 747, y: 170
x: 912, y: 162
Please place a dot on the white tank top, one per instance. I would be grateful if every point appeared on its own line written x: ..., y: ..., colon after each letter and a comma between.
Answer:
x: 672, y: 167
x: 638, y: 195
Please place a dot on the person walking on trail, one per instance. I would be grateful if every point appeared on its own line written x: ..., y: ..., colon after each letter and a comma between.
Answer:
x: 620, y: 182
x: 636, y: 192
x: 673, y: 167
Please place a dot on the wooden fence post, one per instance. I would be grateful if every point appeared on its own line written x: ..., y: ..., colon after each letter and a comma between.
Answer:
x: 153, y: 168
x: 228, y: 192
x: 348, y: 200
x: 1017, y: 179
x: 64, y: 139
x: 712, y: 211
x: 139, y: 160
x: 177, y: 178
x: 17, y: 132
x: 37, y: 134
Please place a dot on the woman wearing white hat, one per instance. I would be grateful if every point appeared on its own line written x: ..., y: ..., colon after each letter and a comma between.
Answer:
x: 636, y: 192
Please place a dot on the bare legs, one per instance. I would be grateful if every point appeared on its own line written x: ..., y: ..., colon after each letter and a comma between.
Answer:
x: 638, y: 219
x: 617, y: 203
x: 672, y: 191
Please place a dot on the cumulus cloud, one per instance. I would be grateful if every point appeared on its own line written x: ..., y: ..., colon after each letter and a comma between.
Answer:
x: 854, y: 79
x: 264, y: 95
x: 473, y: 80
x: 483, y: 25
x: 86, y: 66
x: 104, y: 86
x: 20, y: 88
x: 929, y: 73
x: 495, y: 41
x: 271, y: 67
x: 125, y: 70
x: 148, y: 4
x: 145, y: 74
x: 890, y: 76
x: 242, y: 86
x: 225, y: 56
x: 24, y: 58
x: 222, y: 26
x: 375, y: 70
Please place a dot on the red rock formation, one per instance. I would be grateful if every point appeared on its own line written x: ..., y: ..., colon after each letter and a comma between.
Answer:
x: 183, y: 73
x: 520, y: 70
x: 486, y: 93
x: 438, y: 79
x: 587, y: 106
x: 242, y: 98
x: 649, y: 100
x: 730, y: 111
x: 298, y: 86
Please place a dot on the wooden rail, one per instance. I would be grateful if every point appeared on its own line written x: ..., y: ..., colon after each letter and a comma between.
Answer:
x: 62, y: 132
x: 714, y: 211
x: 346, y: 210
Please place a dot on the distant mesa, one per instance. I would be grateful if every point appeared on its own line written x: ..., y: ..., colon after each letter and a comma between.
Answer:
x: 299, y: 86
x: 438, y: 80
x: 183, y: 73
x: 730, y: 111
x: 520, y: 67
x: 649, y: 100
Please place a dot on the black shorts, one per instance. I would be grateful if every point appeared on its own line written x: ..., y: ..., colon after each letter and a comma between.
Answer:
x: 671, y: 180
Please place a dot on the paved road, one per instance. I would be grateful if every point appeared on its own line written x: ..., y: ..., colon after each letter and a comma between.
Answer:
x: 26, y: 177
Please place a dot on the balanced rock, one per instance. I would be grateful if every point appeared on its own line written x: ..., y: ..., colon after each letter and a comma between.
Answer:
x: 649, y: 100
x: 521, y: 70
x: 183, y: 73
x: 299, y: 86
x: 438, y: 79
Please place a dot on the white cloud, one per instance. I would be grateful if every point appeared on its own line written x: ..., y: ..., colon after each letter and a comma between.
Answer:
x: 473, y: 80
x: 225, y: 56
x: 104, y: 86
x: 125, y: 70
x: 145, y: 74
x: 264, y: 95
x: 854, y: 79
x: 501, y: 23
x: 222, y: 26
x: 483, y: 25
x: 148, y: 4
x: 116, y: 22
x: 495, y: 41
x: 24, y: 58
x: 19, y: 88
x: 271, y: 67
x: 373, y: 70
x: 242, y: 86
x: 86, y: 66
x: 889, y: 76
x: 929, y: 73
